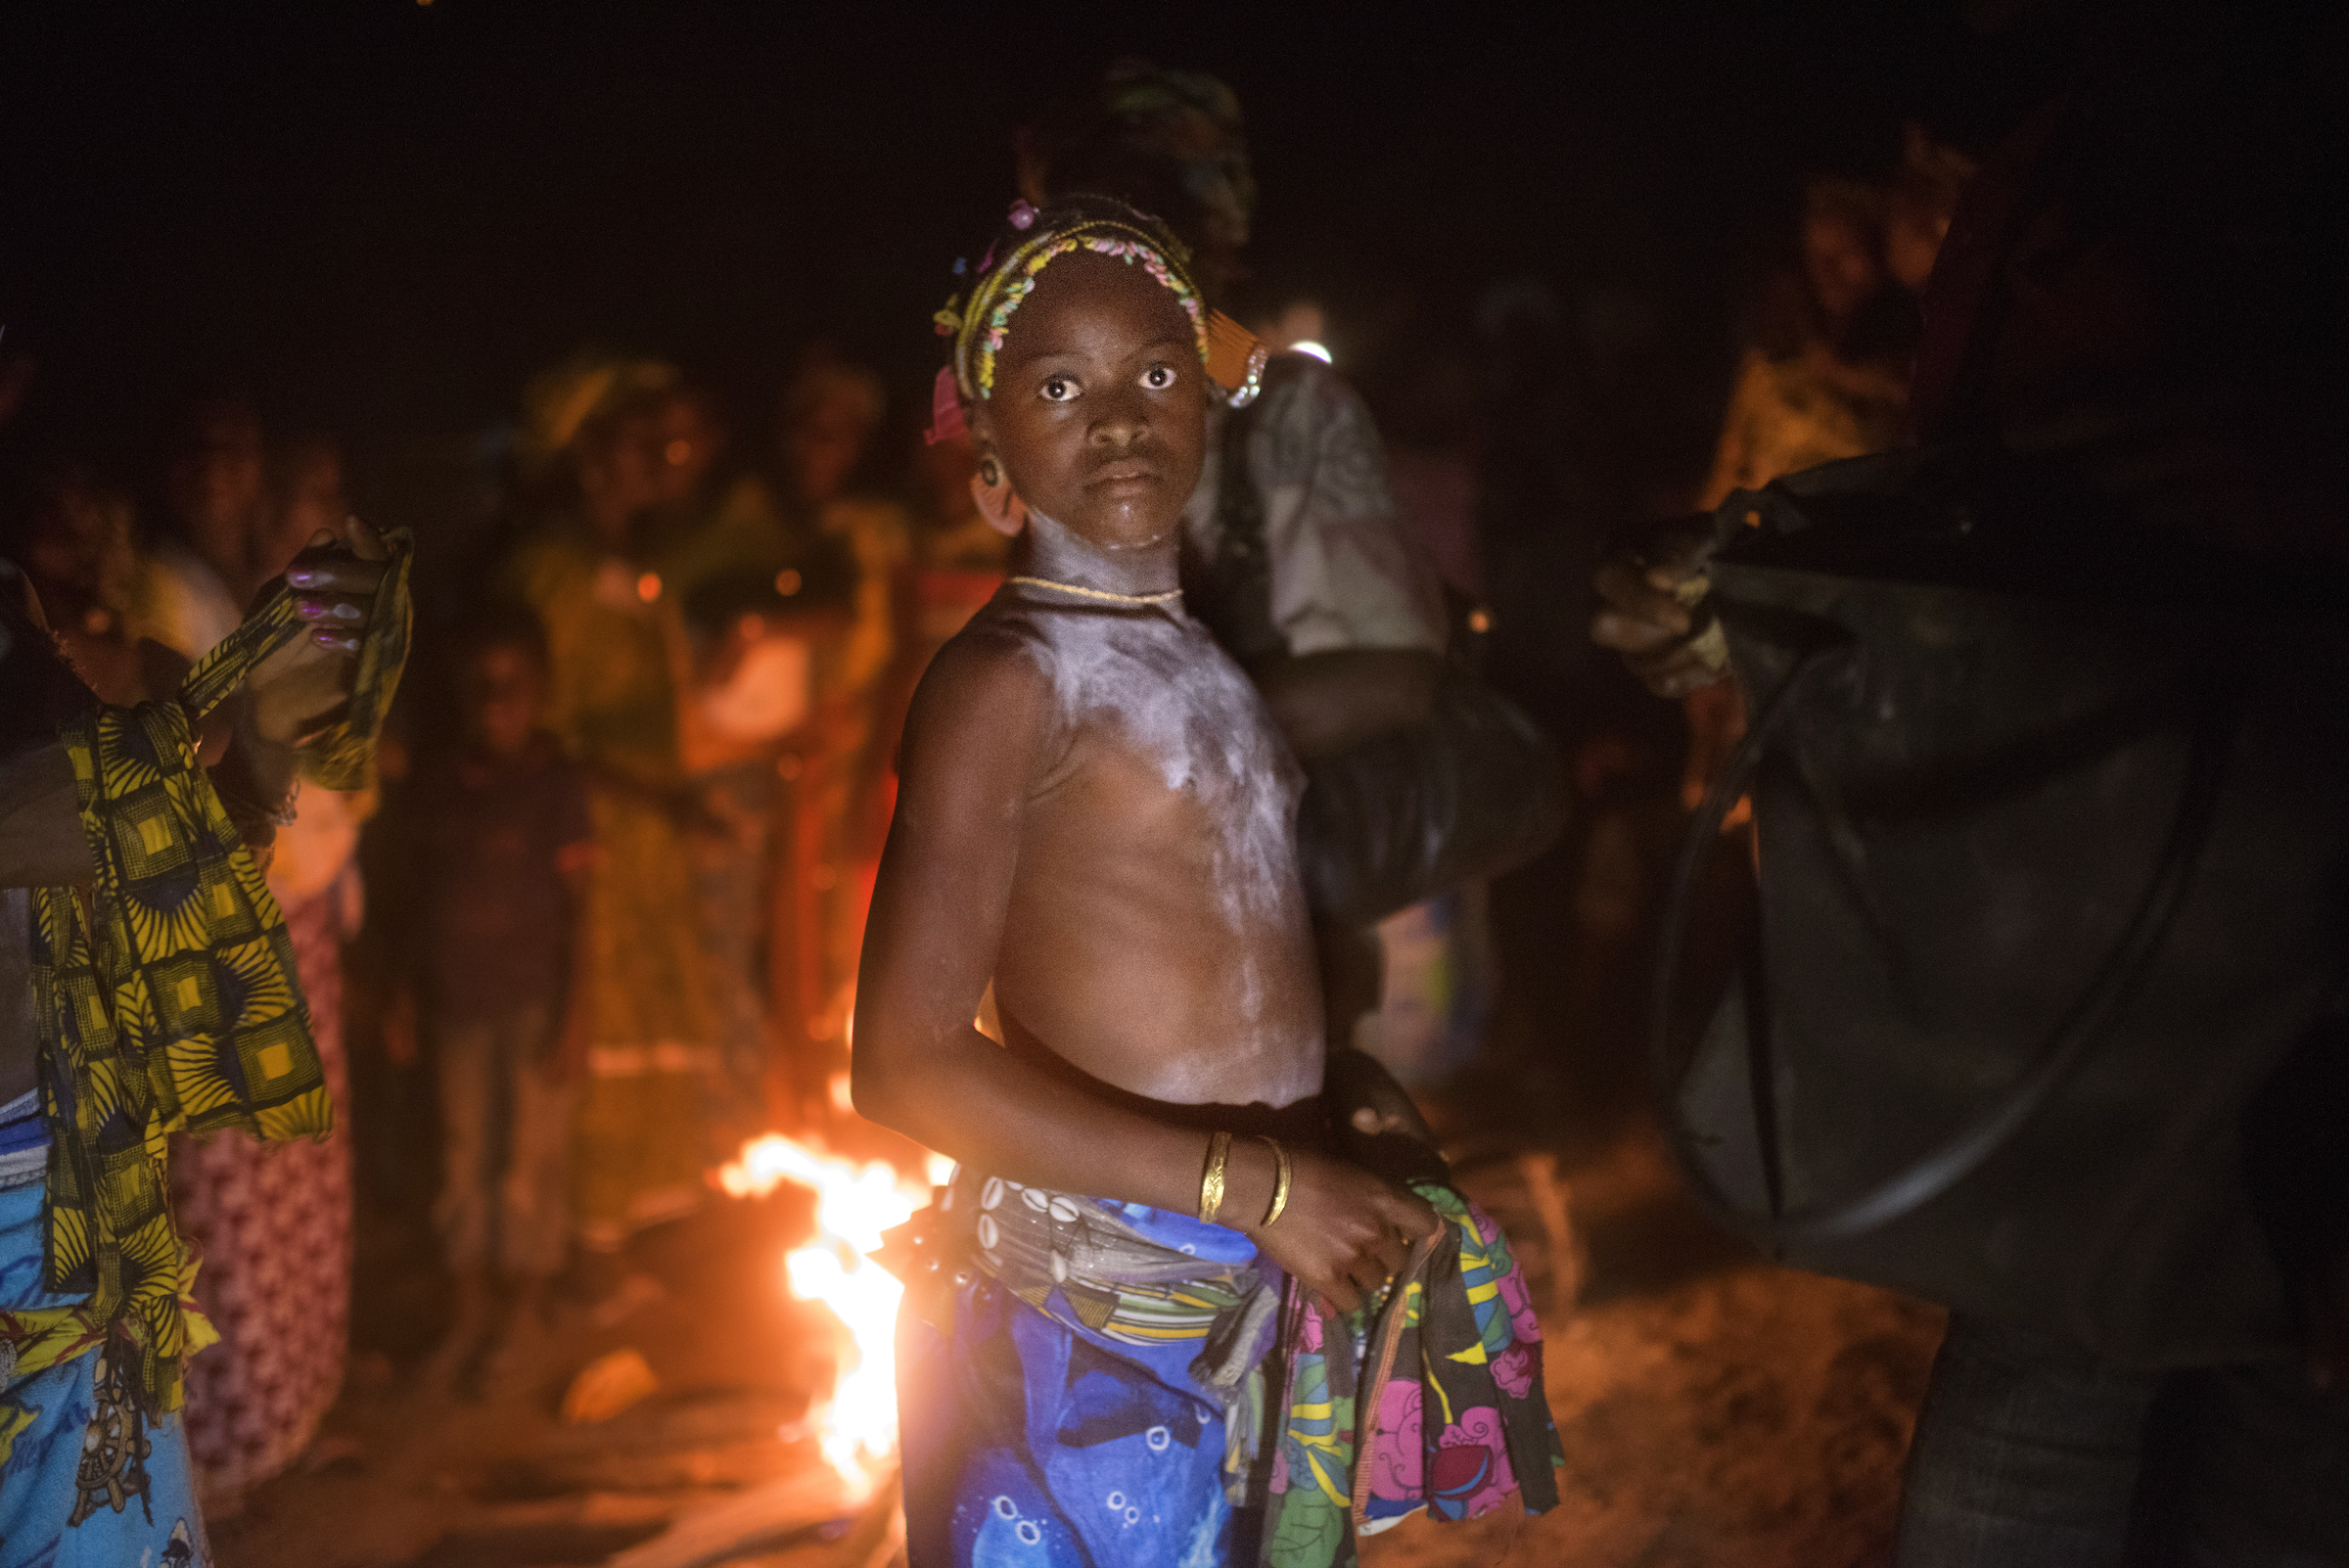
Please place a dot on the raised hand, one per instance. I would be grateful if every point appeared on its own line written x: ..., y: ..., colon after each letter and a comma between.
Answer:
x: 303, y: 684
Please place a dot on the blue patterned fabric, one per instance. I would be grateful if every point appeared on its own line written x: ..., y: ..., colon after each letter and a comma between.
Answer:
x: 89, y: 1483
x: 1088, y: 1385
x: 1069, y: 1431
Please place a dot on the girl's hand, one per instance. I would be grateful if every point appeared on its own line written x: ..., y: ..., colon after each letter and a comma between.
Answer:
x: 1345, y: 1232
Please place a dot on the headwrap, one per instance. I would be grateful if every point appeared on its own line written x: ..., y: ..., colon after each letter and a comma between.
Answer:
x: 1184, y: 125
x: 561, y: 401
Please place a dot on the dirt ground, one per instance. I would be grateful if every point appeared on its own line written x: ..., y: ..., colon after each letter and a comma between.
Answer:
x: 1715, y: 1413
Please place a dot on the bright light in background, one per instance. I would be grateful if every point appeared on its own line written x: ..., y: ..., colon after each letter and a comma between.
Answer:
x: 857, y: 1426
x: 1301, y: 328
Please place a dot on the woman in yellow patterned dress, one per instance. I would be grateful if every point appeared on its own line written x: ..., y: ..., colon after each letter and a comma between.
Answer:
x: 617, y: 653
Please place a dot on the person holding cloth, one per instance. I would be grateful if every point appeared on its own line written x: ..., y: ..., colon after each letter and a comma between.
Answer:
x: 1157, y: 1293
x: 147, y: 985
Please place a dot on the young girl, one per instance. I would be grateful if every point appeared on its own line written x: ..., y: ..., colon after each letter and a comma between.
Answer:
x: 1159, y: 1319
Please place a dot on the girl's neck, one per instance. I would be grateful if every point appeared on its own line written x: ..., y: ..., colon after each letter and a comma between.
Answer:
x: 1058, y: 554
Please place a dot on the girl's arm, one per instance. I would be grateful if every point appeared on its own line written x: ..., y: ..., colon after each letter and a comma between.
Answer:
x: 981, y: 729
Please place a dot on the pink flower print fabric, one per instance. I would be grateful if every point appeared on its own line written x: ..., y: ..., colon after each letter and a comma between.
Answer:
x: 1455, y: 1425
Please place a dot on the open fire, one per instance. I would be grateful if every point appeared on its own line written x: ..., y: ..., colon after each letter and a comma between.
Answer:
x: 856, y: 1427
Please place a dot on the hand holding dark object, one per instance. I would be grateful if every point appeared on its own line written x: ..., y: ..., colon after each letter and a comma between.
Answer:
x: 303, y: 684
x: 1344, y: 1232
x: 1652, y: 606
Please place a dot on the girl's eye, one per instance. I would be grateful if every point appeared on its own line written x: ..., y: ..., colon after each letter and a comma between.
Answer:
x: 1158, y: 378
x: 1059, y: 388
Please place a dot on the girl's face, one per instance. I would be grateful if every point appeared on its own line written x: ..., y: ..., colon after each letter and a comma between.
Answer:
x: 1099, y: 412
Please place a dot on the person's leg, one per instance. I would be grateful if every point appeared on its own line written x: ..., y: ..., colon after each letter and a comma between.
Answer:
x: 535, y: 1196
x: 2026, y: 1454
x: 2267, y: 1484
x: 468, y: 1089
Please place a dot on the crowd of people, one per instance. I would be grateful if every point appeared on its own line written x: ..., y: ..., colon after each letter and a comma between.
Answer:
x: 626, y: 826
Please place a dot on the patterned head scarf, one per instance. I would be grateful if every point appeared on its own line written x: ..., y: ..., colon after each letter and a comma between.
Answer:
x: 1149, y: 134
x: 562, y: 401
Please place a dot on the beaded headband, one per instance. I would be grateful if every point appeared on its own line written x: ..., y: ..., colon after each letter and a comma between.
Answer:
x: 980, y: 322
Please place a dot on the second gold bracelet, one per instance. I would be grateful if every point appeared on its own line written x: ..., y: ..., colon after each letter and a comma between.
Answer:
x: 1211, y: 1184
x: 1280, y: 1182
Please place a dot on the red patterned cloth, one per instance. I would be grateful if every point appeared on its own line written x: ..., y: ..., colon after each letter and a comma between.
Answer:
x: 272, y: 1225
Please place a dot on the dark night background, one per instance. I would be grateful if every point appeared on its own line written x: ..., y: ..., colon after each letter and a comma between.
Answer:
x: 1539, y: 235
x: 380, y: 217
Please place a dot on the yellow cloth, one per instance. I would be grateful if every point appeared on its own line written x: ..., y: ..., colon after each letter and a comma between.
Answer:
x: 167, y: 997
x: 617, y: 659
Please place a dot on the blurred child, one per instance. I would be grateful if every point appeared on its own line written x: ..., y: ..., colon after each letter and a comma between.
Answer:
x: 502, y: 846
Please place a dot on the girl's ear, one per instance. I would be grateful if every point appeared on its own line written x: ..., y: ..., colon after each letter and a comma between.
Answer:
x: 998, y: 503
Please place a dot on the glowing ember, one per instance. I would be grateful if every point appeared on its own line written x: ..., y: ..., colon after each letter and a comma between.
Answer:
x: 857, y: 1427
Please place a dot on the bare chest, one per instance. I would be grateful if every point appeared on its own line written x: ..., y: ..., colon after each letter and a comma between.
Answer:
x: 1168, y: 755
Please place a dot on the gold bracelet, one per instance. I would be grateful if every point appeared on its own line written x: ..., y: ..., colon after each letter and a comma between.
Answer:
x: 1211, y: 1185
x: 1280, y: 1182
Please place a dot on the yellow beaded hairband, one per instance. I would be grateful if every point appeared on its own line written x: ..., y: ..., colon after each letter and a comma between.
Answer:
x: 1232, y: 355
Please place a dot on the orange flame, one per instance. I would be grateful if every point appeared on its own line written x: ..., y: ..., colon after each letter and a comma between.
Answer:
x: 856, y: 1427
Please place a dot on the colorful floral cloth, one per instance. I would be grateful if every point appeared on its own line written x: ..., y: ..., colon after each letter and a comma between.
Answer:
x: 1425, y: 1401
x: 271, y: 1223
x: 1108, y: 1384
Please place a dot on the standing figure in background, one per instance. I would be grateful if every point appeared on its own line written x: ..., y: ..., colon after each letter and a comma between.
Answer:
x: 715, y: 547
x: 502, y: 850
x: 851, y: 546
x: 1827, y: 376
x: 71, y: 530
x: 273, y: 1221
x: 200, y: 573
x: 760, y: 616
x: 617, y: 663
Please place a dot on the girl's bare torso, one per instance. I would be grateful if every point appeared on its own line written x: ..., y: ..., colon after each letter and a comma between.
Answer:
x: 1157, y: 936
